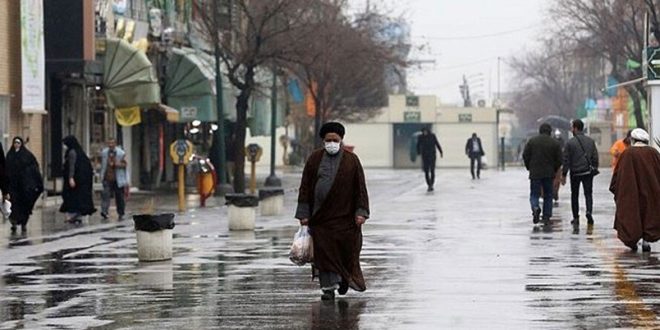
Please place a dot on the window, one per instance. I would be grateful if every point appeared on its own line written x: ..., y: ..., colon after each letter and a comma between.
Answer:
x: 412, y: 101
x: 464, y: 117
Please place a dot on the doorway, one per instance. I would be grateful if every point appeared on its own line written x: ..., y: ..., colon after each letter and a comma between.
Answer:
x: 405, y: 145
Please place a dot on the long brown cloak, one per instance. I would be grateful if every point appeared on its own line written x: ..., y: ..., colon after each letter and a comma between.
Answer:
x: 337, y: 238
x: 636, y: 188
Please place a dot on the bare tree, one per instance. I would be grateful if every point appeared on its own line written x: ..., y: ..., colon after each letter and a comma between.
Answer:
x: 613, y: 30
x: 342, y: 65
x: 251, y: 34
x: 553, y: 80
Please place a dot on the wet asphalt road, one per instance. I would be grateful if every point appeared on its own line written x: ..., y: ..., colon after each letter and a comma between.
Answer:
x: 465, y: 256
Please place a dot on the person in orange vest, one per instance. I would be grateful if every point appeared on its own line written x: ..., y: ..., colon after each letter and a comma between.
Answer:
x: 618, y: 147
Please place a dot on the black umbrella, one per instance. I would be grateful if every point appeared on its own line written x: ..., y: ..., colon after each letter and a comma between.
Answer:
x: 556, y: 122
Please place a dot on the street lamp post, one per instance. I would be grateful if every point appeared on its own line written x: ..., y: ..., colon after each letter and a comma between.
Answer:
x: 220, y: 134
x: 273, y: 180
x: 501, y: 139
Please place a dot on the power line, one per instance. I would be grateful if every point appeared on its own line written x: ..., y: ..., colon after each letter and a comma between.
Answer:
x: 482, y: 36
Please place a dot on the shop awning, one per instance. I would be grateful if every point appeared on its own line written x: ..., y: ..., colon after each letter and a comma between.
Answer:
x: 190, y: 87
x: 129, y: 78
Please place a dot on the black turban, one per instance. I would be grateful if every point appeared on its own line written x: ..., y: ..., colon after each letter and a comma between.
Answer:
x: 332, y: 127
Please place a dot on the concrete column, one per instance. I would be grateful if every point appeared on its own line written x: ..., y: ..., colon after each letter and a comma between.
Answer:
x: 654, y: 102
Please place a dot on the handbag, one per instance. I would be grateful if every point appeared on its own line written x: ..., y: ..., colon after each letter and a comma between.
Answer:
x: 592, y: 170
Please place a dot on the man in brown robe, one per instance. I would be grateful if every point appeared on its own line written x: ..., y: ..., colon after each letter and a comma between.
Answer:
x: 636, y: 187
x: 334, y: 203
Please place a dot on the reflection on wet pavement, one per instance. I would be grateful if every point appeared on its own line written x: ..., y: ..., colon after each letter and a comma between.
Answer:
x: 466, y: 256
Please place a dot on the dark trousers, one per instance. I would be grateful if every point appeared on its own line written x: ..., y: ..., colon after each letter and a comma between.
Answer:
x: 475, y: 160
x: 535, y: 193
x: 587, y: 182
x: 329, y: 280
x: 110, y: 189
x: 429, y: 171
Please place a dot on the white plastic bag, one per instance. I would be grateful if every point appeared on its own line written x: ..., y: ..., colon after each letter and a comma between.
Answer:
x: 302, y: 249
x: 5, y: 208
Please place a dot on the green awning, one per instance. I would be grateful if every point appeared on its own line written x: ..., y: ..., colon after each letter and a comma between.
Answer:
x: 129, y: 78
x: 190, y: 87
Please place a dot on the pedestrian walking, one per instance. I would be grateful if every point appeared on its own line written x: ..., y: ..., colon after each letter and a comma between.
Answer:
x: 475, y: 150
x: 618, y: 148
x: 78, y: 175
x: 3, y: 176
x: 24, y: 183
x: 556, y: 183
x: 542, y: 157
x: 636, y: 187
x: 427, y: 142
x: 334, y: 203
x: 114, y: 179
x: 581, y: 160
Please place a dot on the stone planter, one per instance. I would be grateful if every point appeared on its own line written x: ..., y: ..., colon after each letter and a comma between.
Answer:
x: 271, y: 201
x: 242, y: 211
x: 154, y: 236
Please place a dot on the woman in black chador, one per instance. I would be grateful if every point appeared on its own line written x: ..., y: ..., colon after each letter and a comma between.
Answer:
x: 24, y: 183
x: 78, y: 177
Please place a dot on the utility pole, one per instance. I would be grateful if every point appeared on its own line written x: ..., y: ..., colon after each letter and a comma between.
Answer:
x: 220, y: 133
x: 499, y: 59
x: 273, y: 180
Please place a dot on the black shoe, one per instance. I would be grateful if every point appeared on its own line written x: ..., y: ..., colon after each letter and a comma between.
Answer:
x: 104, y: 216
x: 546, y: 221
x: 13, y: 229
x: 120, y: 218
x: 536, y: 216
x: 590, y: 219
x: 633, y: 247
x: 646, y: 247
x: 328, y: 295
x: 430, y: 189
x: 555, y: 204
x: 343, y: 288
x: 575, y: 222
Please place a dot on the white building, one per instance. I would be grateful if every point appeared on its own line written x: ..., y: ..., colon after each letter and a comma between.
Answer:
x: 386, y: 141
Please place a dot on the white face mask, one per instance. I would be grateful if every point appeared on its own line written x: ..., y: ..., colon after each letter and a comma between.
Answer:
x: 332, y: 147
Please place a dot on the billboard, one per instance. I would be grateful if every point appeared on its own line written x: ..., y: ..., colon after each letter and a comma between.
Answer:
x: 33, y: 57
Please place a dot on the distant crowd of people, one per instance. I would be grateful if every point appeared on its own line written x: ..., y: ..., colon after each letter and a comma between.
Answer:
x: 551, y: 162
x: 21, y: 181
x: 635, y: 181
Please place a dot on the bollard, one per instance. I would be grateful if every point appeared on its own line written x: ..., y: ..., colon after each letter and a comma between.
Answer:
x: 154, y: 236
x: 242, y: 211
x: 271, y: 201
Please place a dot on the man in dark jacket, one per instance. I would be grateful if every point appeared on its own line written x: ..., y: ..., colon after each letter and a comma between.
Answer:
x: 542, y: 158
x: 426, y: 145
x: 581, y: 159
x: 475, y: 151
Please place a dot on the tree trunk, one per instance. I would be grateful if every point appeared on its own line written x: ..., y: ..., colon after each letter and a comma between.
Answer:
x: 317, y: 123
x: 637, y: 103
x: 242, y: 106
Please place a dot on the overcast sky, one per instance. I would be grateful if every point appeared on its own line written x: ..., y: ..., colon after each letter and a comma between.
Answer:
x: 466, y: 37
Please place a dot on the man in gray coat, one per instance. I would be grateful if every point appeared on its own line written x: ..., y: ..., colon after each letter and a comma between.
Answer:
x: 542, y: 156
x: 114, y: 178
x: 581, y: 159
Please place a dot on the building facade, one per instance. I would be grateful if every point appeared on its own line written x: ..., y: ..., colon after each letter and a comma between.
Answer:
x: 13, y: 121
x: 389, y: 140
